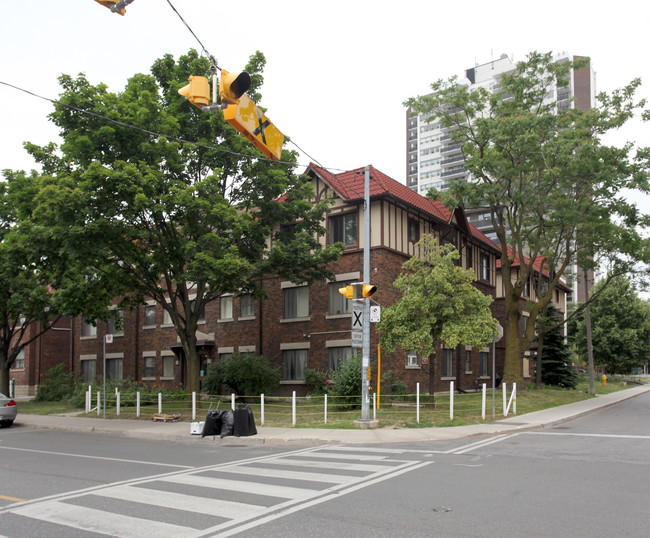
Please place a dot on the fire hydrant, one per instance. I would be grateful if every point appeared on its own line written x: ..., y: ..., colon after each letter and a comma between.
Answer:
x: 604, y: 380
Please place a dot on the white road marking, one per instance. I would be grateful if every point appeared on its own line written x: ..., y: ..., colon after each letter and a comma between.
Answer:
x: 603, y: 435
x: 481, y: 444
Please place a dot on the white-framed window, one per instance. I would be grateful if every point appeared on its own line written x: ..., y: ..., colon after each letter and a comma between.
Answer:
x: 150, y: 315
x: 296, y: 302
x: 468, y: 361
x: 485, y: 267
x: 88, y: 327
x: 294, y: 362
x: 247, y: 306
x: 201, y: 318
x: 343, y: 229
x: 226, y: 308
x: 19, y: 363
x: 337, y: 356
x: 114, y: 368
x: 115, y: 323
x: 483, y: 364
x: 412, y: 359
x: 447, y: 363
x: 413, y: 230
x: 167, y: 318
x: 338, y: 303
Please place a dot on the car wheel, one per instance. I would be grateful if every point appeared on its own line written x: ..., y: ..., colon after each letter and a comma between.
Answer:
x: 6, y: 423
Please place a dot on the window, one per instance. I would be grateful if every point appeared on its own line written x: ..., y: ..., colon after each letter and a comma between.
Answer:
x: 338, y: 355
x: 296, y: 302
x: 412, y: 359
x: 247, y: 305
x: 524, y: 320
x: 150, y: 316
x: 338, y: 303
x: 201, y: 318
x: 226, y: 307
x: 167, y: 318
x: 149, y: 367
x: 87, y: 328
x: 115, y: 324
x: 19, y: 363
x: 485, y: 267
x: 447, y: 363
x: 88, y: 370
x: 114, y: 369
x: 294, y: 362
x: 168, y: 366
x: 469, y: 259
x: 343, y: 229
x: 414, y: 230
x: 527, y: 288
x: 483, y: 366
x: 468, y: 361
x: 225, y: 356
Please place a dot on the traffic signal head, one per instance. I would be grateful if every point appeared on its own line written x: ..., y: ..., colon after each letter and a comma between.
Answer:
x: 368, y: 290
x: 197, y: 91
x: 233, y: 85
x: 347, y: 292
x: 110, y: 4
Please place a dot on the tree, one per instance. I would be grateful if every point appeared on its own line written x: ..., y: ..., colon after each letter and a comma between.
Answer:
x: 620, y: 327
x: 181, y: 223
x: 439, y: 302
x: 554, y: 190
x: 555, y: 365
x: 39, y: 283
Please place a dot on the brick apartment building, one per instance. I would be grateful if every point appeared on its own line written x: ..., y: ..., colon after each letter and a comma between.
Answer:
x: 295, y: 326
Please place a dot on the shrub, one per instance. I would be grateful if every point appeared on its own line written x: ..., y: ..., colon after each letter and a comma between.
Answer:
x: 317, y: 382
x: 244, y: 374
x: 58, y: 384
x: 346, y: 382
x: 393, y: 385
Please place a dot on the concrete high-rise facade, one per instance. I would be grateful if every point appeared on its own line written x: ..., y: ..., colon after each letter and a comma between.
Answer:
x: 434, y: 159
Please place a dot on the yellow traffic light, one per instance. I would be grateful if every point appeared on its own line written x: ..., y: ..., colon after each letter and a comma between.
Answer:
x: 197, y: 91
x: 111, y: 4
x: 233, y: 85
x: 348, y: 292
x: 368, y: 290
x: 250, y: 121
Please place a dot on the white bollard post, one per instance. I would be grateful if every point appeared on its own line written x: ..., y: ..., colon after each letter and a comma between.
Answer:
x: 293, y: 408
x: 232, y: 401
x: 451, y: 400
x: 193, y: 405
x: 325, y: 408
x: 99, y: 403
x: 417, y: 402
x: 117, y: 403
x: 514, y: 397
x: 505, y: 410
x: 374, y: 406
x: 483, y: 404
x: 137, y: 404
x: 160, y: 402
x: 262, y: 409
x: 88, y: 396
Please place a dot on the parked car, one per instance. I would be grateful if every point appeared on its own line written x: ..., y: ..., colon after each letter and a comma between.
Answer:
x: 8, y: 411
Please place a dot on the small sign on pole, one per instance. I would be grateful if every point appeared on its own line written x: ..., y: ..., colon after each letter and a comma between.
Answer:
x: 357, y: 338
x: 109, y: 338
x: 375, y: 314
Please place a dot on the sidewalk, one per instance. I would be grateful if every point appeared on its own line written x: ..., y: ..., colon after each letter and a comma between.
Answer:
x: 180, y: 431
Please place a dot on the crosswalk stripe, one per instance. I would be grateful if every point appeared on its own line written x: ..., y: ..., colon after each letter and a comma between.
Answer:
x: 291, y: 462
x: 90, y: 519
x: 330, y: 455
x: 180, y: 501
x: 293, y: 475
x: 255, y: 488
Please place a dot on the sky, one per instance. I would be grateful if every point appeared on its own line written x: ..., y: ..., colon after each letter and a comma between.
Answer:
x: 337, y: 72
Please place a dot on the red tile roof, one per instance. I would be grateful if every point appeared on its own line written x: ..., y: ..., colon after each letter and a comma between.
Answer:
x: 349, y: 186
x: 537, y: 265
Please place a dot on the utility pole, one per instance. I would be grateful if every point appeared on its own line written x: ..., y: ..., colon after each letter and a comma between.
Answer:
x: 365, y: 395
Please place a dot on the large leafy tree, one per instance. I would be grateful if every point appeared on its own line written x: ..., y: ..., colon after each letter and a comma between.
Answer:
x: 181, y: 223
x: 553, y: 188
x: 39, y: 283
x: 439, y: 302
x: 620, y: 322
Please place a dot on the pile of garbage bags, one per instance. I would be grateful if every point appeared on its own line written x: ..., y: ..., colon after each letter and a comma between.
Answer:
x: 239, y: 422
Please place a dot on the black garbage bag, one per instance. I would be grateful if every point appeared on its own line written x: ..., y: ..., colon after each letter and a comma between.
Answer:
x: 244, y: 421
x: 212, y: 425
x: 227, y: 423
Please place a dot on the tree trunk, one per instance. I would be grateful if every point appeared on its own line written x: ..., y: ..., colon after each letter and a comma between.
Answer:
x: 538, y: 362
x: 4, y: 377
x: 512, y: 368
x: 188, y: 340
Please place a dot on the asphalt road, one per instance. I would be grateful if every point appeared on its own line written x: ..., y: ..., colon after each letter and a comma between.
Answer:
x: 587, y: 477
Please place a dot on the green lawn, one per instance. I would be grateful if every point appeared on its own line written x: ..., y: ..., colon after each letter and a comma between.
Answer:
x: 310, y: 412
